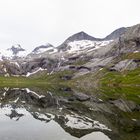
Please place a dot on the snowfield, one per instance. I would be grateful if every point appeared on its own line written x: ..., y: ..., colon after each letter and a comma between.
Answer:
x: 9, y: 54
x: 48, y: 49
x: 76, y: 46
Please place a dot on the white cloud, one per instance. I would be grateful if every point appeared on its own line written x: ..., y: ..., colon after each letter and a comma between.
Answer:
x: 35, y: 22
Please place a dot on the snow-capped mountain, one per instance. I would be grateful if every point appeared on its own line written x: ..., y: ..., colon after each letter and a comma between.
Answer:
x: 16, y: 51
x: 47, y: 58
x: 74, y: 44
x: 81, y: 36
x: 82, y: 40
x: 79, y: 46
x: 42, y: 51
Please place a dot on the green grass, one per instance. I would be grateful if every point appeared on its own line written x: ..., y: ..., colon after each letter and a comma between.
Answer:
x: 42, y: 80
x: 131, y: 56
x: 21, y: 82
x: 122, y: 78
x: 85, y: 83
x: 124, y: 85
x: 55, y: 77
x: 79, y: 62
x: 124, y: 92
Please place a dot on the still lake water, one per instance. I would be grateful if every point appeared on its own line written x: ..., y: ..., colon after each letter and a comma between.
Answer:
x: 29, y: 128
x: 26, y: 114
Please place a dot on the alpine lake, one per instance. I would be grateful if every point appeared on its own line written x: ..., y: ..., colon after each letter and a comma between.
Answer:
x: 63, y: 113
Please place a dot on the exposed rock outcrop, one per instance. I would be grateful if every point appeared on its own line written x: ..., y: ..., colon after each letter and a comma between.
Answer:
x: 125, y: 65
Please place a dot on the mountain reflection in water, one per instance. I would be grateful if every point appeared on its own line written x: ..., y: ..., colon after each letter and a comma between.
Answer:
x: 29, y: 115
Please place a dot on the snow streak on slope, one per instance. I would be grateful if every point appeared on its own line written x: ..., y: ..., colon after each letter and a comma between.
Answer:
x: 31, y: 73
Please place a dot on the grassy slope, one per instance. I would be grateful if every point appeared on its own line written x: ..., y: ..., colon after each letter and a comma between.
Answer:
x: 124, y: 84
x: 124, y: 78
x: 113, y: 84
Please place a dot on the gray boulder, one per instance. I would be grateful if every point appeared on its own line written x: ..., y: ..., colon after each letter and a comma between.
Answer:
x: 81, y: 96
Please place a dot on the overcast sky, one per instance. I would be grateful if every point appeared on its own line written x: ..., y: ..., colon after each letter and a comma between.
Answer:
x: 36, y: 22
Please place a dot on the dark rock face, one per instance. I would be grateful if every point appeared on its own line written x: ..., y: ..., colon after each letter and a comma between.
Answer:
x: 21, y: 68
x: 48, y: 64
x: 127, y: 43
x: 116, y: 34
x: 83, y: 67
x: 73, y: 58
x: 125, y: 65
x: 126, y: 106
x: 13, y: 69
x: 42, y: 47
x: 66, y: 77
x: 16, y: 49
x: 14, y: 114
x: 81, y: 36
x: 48, y: 101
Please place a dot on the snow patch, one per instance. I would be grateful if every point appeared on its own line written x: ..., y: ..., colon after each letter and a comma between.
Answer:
x: 77, y: 46
x: 6, y: 88
x: 134, y: 120
x: 45, y: 116
x: 30, y: 91
x: 16, y: 100
x: 15, y: 63
x: 84, y: 123
x: 4, y: 94
x: 136, y: 51
x: 31, y: 73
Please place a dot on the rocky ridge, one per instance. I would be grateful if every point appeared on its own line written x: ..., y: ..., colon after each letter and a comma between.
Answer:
x: 80, y: 52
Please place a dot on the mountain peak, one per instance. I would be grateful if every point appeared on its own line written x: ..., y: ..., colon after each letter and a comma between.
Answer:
x: 16, y: 49
x: 133, y: 32
x: 82, y: 33
x: 16, y: 46
x: 43, y: 48
x: 116, y: 34
x: 81, y: 36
